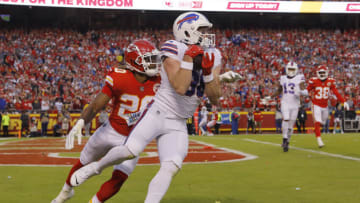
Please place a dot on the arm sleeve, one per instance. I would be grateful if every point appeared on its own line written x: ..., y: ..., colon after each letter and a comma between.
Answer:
x: 107, y: 90
x: 336, y: 92
x: 108, y: 87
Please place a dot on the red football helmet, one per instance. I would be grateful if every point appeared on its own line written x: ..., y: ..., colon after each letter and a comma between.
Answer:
x: 322, y: 72
x: 143, y: 57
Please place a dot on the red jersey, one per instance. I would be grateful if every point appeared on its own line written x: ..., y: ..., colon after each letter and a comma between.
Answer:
x: 319, y: 91
x: 128, y: 97
x: 258, y: 116
x: 215, y: 116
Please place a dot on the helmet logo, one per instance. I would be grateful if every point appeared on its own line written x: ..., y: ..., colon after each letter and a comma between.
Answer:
x: 189, y: 19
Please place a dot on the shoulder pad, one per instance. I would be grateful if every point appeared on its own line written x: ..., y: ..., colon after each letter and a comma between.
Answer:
x: 116, y: 74
x: 170, y: 46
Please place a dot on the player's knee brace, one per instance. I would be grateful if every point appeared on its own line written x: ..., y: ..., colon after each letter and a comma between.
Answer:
x: 169, y: 167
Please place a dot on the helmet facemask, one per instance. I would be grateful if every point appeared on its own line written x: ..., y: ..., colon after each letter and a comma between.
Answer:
x: 291, y: 69
x: 322, y: 74
x: 151, y: 62
x: 291, y: 72
x: 143, y: 57
x: 207, y: 40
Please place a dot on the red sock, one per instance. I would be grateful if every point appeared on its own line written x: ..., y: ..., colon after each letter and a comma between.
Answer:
x: 112, y: 186
x: 73, y: 169
x: 208, y: 129
x: 317, y: 129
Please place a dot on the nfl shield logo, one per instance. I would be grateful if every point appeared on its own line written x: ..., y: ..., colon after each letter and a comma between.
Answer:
x: 142, y: 89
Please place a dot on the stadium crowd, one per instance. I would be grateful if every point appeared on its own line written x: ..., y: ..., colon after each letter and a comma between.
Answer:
x: 52, y: 69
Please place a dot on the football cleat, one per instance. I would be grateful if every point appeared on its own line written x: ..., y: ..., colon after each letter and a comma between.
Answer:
x: 63, y: 196
x: 84, y: 173
x: 320, y: 142
x: 285, y: 145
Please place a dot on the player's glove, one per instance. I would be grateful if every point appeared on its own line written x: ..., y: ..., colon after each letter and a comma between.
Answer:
x: 75, y: 131
x: 207, y: 64
x: 194, y: 50
x: 230, y: 77
x: 346, y: 106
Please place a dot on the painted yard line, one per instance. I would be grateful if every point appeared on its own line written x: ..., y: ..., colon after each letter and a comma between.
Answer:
x: 247, y: 156
x: 7, y: 142
x: 56, y: 155
x: 19, y: 153
x: 30, y: 144
x: 22, y: 148
x: 6, y: 138
x: 307, y: 150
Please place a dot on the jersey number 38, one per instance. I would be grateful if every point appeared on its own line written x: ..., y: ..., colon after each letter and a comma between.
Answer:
x: 322, y: 92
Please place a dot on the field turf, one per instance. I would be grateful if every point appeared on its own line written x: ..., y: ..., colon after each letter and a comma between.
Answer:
x: 303, y: 175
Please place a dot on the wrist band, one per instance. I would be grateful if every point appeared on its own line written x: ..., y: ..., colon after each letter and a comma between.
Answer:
x: 186, y: 65
x: 208, y: 78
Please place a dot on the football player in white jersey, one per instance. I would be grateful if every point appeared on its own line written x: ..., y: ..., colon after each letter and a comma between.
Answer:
x: 203, y: 121
x: 183, y: 83
x: 291, y: 86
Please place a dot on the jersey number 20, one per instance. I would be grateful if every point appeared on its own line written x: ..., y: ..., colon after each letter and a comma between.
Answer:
x: 134, y: 106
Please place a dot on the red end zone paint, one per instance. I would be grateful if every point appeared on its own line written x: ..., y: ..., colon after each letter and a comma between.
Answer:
x: 44, y: 152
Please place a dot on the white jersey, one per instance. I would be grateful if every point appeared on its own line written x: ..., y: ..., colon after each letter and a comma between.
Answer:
x: 182, y: 106
x: 291, y: 90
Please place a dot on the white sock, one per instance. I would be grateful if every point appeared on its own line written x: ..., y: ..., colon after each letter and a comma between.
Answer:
x: 115, y: 156
x: 285, y: 128
x: 66, y: 187
x: 161, y: 182
x: 95, y: 200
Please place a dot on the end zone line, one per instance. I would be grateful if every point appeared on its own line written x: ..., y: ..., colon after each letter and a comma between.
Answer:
x: 307, y: 150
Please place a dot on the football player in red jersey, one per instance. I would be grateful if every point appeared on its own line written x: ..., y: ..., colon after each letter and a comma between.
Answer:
x: 130, y: 89
x: 319, y: 88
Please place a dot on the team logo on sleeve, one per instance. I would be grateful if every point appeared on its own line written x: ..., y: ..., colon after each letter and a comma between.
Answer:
x: 329, y: 84
x: 189, y: 19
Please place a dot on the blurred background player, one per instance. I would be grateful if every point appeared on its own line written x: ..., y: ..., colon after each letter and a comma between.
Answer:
x: 291, y: 86
x: 203, y: 121
x: 319, y: 89
x: 130, y: 89
x: 213, y: 122
x: 183, y: 83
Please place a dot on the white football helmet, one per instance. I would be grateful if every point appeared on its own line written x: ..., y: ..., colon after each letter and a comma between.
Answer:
x: 291, y: 69
x: 203, y: 109
x: 186, y: 29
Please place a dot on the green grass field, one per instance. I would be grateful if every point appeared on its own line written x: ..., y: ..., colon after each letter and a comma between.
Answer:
x: 302, y: 175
